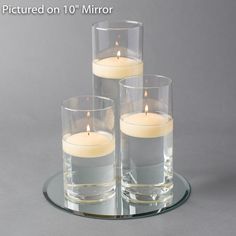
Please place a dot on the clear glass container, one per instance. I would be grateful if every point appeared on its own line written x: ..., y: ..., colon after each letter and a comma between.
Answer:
x: 88, y: 145
x: 117, y: 53
x: 146, y: 127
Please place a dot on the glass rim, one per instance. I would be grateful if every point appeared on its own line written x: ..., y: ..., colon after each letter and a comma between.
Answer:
x: 135, y: 24
x: 66, y: 107
x: 168, y: 81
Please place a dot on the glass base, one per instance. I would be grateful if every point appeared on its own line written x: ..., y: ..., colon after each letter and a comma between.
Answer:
x: 148, y: 194
x: 79, y: 198
x: 116, y: 207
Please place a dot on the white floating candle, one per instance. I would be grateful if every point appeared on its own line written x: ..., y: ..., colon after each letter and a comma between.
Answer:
x: 117, y: 67
x: 88, y: 144
x: 146, y: 125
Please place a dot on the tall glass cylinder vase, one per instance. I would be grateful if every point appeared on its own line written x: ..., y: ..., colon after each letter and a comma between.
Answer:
x: 117, y: 53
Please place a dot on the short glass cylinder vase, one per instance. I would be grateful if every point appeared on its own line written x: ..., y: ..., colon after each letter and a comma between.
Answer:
x: 88, y: 145
x: 146, y: 126
x: 117, y: 53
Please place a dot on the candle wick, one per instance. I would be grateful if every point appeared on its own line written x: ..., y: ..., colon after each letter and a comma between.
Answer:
x: 146, y: 110
x: 118, y: 55
x: 88, y: 129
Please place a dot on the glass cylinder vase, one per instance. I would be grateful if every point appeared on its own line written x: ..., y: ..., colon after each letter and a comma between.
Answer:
x: 117, y: 53
x: 88, y: 144
x: 146, y: 127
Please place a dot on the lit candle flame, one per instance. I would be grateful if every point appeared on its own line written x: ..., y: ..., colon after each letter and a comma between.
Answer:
x: 88, y: 114
x: 118, y: 54
x: 146, y: 109
x: 116, y: 43
x: 145, y: 93
x: 88, y: 129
